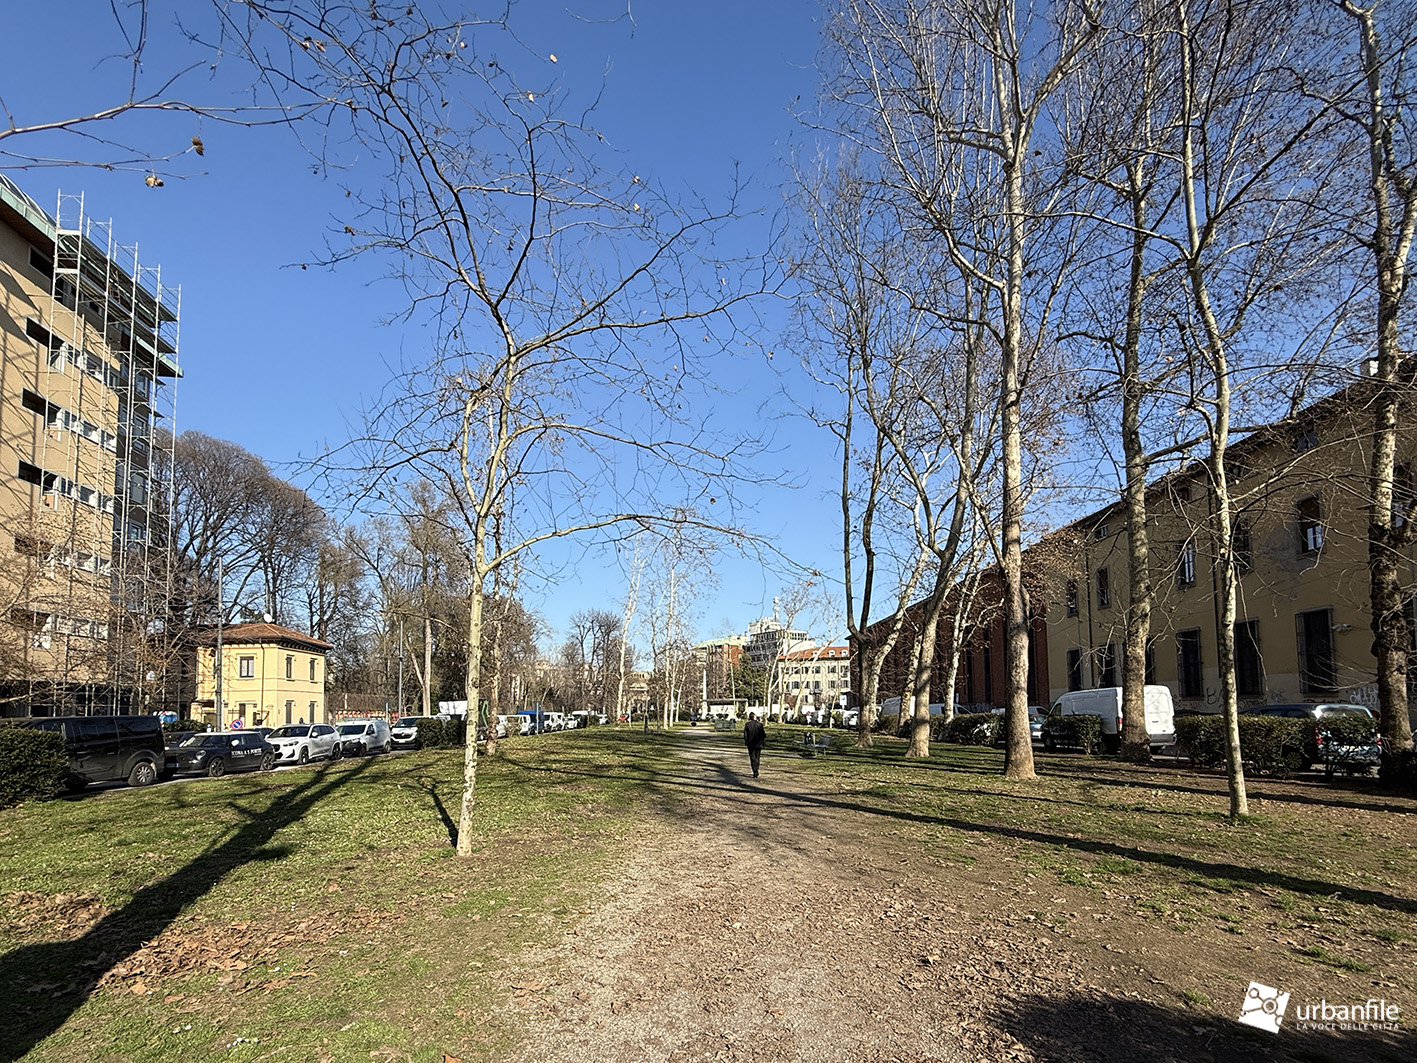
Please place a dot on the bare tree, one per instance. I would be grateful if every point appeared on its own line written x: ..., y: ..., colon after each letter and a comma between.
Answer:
x: 951, y: 95
x: 1385, y: 50
x: 546, y: 275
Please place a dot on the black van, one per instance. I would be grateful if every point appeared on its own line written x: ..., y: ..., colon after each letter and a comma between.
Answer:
x: 104, y: 748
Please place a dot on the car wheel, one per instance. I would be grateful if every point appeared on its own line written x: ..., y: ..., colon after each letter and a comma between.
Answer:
x: 216, y: 767
x: 74, y: 784
x: 337, y: 751
x: 268, y: 762
x: 1049, y: 745
x: 304, y: 757
x: 359, y: 750
x: 144, y: 773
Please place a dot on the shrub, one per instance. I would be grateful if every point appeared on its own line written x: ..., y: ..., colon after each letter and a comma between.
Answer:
x: 1083, y: 732
x: 888, y: 723
x: 183, y: 725
x: 453, y: 733
x: 1348, y: 742
x: 1400, y: 770
x: 33, y: 764
x: 973, y: 729
x: 1271, y: 745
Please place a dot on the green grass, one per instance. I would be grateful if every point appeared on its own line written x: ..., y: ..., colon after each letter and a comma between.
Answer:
x: 360, y: 935
x: 335, y: 887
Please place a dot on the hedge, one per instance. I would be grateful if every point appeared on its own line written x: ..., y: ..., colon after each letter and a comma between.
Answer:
x: 183, y: 725
x: 973, y: 729
x: 888, y: 723
x: 33, y: 764
x: 1271, y: 745
x: 1083, y: 731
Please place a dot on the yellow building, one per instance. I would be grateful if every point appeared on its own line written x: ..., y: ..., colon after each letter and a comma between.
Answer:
x: 88, y: 339
x: 1302, y: 622
x: 270, y: 676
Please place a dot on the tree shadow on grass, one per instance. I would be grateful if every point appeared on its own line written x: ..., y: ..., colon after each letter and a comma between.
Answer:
x: 730, y: 784
x: 1118, y: 1030
x: 1330, y: 793
x: 70, y: 970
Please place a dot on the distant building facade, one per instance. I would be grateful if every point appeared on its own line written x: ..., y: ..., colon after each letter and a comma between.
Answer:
x: 270, y: 676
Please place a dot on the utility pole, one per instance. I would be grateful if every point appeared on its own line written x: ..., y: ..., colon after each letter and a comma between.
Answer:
x: 219, y: 617
x: 400, y: 700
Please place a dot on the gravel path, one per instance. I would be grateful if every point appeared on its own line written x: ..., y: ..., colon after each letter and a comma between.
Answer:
x: 760, y: 927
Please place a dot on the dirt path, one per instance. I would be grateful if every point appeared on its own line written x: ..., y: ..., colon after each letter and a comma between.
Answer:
x: 759, y: 921
x: 758, y: 929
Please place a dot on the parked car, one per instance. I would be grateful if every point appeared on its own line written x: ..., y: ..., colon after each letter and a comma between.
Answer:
x: 1327, y: 748
x: 299, y: 743
x: 404, y: 732
x: 219, y: 752
x: 1106, y: 703
x: 106, y: 748
x: 365, y: 736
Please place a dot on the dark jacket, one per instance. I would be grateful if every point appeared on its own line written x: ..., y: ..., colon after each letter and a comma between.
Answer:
x: 754, y: 735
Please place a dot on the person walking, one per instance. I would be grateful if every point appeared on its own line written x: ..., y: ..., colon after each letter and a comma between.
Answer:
x: 754, y: 737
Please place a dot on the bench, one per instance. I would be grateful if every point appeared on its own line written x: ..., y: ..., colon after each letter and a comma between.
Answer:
x: 729, y: 724
x: 812, y: 744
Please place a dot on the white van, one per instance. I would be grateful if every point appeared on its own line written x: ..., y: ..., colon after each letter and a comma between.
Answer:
x: 365, y: 736
x: 1106, y: 702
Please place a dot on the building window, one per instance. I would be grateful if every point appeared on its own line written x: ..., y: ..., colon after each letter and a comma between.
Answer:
x: 1305, y: 439
x: 1107, y: 666
x: 312, y: 712
x: 1075, y: 669
x: 289, y: 667
x: 1070, y: 598
x: 1183, y: 492
x: 1100, y: 532
x: 1186, y: 564
x: 1317, y: 671
x: 1104, y: 589
x: 1249, y: 666
x: 246, y: 667
x: 312, y: 669
x: 1188, y: 663
x: 289, y: 712
x: 1311, y: 527
x: 1149, y: 663
x: 1240, y: 547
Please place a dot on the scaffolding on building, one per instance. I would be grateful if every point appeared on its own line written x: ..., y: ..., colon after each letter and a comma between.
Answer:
x: 109, y: 634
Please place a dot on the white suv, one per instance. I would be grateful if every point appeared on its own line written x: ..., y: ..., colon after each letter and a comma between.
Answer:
x: 299, y: 743
x: 365, y: 736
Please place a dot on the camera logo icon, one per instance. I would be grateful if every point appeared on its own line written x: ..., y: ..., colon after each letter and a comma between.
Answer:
x: 1263, y: 1007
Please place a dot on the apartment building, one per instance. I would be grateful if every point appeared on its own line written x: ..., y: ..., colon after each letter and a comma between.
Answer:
x: 816, y: 676
x: 1302, y: 629
x: 88, y: 359
x: 270, y: 676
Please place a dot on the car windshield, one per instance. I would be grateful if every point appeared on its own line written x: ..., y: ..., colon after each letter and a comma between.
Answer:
x: 204, y: 740
x: 351, y: 728
x: 410, y: 722
x: 1344, y: 710
x: 294, y: 731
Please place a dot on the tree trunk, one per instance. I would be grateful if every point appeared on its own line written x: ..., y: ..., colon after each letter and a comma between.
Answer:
x: 474, y: 692
x: 1018, y: 741
x: 924, y: 666
x: 1136, y: 742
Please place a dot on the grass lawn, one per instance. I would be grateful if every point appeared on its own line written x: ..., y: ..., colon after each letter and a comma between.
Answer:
x: 321, y: 914
x: 321, y: 911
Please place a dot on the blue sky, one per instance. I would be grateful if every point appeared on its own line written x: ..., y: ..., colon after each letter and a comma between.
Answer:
x: 280, y: 359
